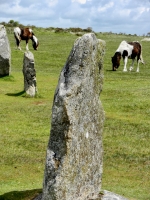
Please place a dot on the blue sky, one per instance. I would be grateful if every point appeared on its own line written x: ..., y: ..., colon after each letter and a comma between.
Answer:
x: 117, y: 16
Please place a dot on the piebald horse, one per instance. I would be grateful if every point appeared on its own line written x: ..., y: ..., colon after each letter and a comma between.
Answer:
x: 127, y: 50
x: 25, y: 34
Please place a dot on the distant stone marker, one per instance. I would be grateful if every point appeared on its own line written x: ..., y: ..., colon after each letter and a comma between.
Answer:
x: 146, y: 39
x: 5, y: 53
x: 73, y: 168
x: 29, y: 73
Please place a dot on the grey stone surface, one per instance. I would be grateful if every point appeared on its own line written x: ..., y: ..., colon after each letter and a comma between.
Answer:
x: 39, y: 197
x: 29, y: 73
x: 112, y: 196
x: 73, y: 168
x: 5, y: 53
x: 105, y: 195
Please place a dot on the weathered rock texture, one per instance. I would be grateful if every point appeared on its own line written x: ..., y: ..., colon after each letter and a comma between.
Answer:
x: 5, y: 53
x: 105, y: 195
x: 74, y: 154
x: 29, y: 73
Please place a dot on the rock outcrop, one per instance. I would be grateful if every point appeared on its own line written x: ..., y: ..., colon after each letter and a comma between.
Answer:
x: 5, y: 53
x: 74, y: 159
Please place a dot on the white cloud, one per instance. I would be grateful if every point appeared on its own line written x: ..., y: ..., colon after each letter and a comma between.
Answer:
x: 51, y: 3
x: 79, y: 1
x: 126, y: 16
x: 105, y: 7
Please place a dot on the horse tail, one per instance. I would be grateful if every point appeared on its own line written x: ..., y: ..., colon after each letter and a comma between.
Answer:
x: 141, y: 57
x: 17, y: 33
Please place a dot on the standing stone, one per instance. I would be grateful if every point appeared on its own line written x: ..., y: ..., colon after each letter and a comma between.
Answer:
x: 73, y: 168
x: 29, y: 74
x: 5, y: 53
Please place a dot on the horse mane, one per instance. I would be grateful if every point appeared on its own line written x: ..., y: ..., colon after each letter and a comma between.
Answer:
x: 117, y: 53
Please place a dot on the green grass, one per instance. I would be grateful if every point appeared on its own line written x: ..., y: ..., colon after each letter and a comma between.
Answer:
x: 126, y: 138
x: 25, y: 122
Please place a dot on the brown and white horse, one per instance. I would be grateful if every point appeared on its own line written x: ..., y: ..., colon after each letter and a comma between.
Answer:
x: 25, y: 34
x: 127, y: 50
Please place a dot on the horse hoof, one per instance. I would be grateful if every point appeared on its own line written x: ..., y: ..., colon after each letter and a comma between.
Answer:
x: 131, y: 68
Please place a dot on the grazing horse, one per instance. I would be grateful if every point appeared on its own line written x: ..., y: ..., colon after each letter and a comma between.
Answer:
x: 127, y: 50
x: 25, y: 34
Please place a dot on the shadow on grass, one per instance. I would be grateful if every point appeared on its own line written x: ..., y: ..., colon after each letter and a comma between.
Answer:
x: 24, y: 94
x: 110, y: 70
x: 7, y: 77
x: 16, y: 94
x: 3, y: 76
x: 21, y: 195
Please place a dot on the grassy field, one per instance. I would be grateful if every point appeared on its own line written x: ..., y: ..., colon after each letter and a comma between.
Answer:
x: 25, y: 122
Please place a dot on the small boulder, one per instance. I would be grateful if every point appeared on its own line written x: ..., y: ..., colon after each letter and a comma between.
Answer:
x: 29, y: 73
x: 5, y: 53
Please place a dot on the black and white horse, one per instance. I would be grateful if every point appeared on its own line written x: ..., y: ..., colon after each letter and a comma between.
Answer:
x: 127, y: 50
x: 25, y: 34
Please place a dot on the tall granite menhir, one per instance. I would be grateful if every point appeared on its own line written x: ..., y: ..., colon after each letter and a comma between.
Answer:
x: 29, y: 73
x: 5, y: 53
x: 74, y: 154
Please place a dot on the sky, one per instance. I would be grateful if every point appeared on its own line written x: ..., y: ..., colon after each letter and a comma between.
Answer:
x: 116, y: 16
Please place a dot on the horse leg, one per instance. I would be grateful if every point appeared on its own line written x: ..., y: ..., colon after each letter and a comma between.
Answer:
x: 125, y: 64
x: 138, y: 64
x: 27, y: 45
x: 18, y: 43
x: 132, y: 65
